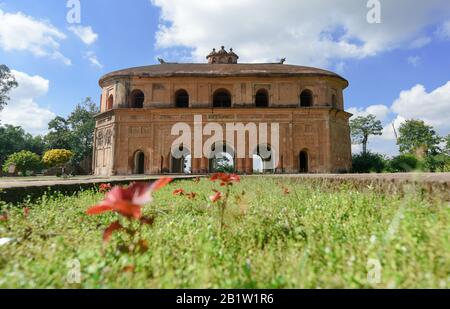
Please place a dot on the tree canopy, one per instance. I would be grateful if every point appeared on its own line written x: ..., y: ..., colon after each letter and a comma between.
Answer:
x: 7, y: 82
x: 418, y: 138
x: 363, y: 127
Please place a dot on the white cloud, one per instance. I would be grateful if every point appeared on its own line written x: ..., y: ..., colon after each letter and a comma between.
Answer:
x: 320, y: 32
x: 432, y: 107
x: 92, y: 57
x: 414, y: 60
x: 22, y: 110
x: 86, y: 34
x: 24, y: 33
x: 380, y: 111
x: 444, y: 30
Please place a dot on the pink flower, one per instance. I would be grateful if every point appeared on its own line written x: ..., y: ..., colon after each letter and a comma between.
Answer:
x: 128, y: 202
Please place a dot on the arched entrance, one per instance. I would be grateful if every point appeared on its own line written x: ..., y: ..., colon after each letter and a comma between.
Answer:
x: 181, y: 161
x: 304, y: 164
x: 221, y: 159
x: 263, y: 159
x: 139, y: 163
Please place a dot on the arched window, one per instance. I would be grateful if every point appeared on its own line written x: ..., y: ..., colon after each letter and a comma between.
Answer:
x: 137, y: 99
x: 303, y: 164
x: 181, y: 99
x: 222, y: 98
x: 262, y: 98
x: 214, y: 60
x: 333, y: 101
x: 306, y: 98
x: 110, y: 102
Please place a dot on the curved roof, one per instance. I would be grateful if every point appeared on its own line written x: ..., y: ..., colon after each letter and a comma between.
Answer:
x: 221, y: 70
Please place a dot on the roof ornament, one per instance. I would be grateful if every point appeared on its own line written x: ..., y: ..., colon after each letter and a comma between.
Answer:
x: 282, y: 60
x: 161, y: 61
x: 222, y: 56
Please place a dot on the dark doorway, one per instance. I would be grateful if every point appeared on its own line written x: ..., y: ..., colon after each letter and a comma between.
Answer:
x: 139, y: 163
x: 137, y: 99
x: 306, y: 98
x: 262, y: 98
x: 182, y: 99
x: 222, y: 98
x: 303, y: 162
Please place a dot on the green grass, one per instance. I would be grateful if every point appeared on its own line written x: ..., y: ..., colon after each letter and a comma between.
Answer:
x: 319, y: 235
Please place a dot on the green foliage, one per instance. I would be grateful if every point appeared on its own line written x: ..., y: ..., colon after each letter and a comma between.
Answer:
x: 363, y: 127
x: 321, y: 235
x: 437, y: 163
x: 59, y: 136
x: 14, y: 139
x: 404, y: 163
x: 447, y: 145
x: 418, y: 138
x: 7, y: 82
x: 368, y: 163
x: 24, y: 162
x: 57, y: 157
x: 82, y: 126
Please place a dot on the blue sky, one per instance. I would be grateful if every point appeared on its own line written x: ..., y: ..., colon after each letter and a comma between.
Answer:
x: 398, y: 69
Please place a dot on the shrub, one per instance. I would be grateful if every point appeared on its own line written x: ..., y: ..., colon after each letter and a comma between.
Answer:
x: 24, y: 161
x: 368, y: 163
x: 404, y: 163
x: 437, y: 163
x: 57, y: 157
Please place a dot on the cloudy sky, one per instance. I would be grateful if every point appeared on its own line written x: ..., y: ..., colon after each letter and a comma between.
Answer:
x: 398, y: 69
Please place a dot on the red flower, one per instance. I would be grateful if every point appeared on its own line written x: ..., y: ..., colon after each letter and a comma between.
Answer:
x: 214, y: 198
x: 110, y: 230
x: 26, y: 211
x: 4, y: 218
x: 226, y: 179
x: 286, y: 191
x: 128, y: 202
x: 105, y: 187
x: 179, y: 192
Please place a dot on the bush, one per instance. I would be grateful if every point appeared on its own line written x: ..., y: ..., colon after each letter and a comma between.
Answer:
x: 24, y: 161
x: 404, y: 163
x: 368, y: 163
x: 437, y: 163
x: 57, y: 157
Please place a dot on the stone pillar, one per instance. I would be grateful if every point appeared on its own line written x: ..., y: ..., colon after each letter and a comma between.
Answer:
x: 196, y: 165
x: 204, y: 165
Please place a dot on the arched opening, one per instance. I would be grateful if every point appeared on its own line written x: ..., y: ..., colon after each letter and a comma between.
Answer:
x: 306, y: 98
x: 139, y: 163
x: 230, y: 60
x: 263, y: 159
x: 181, y: 161
x: 137, y: 99
x: 110, y: 103
x: 222, y: 98
x: 214, y: 60
x: 182, y: 99
x: 262, y: 98
x: 221, y: 159
x: 333, y: 101
x: 304, y: 164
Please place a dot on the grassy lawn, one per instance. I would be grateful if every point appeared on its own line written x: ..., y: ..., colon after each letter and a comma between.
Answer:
x: 279, y: 233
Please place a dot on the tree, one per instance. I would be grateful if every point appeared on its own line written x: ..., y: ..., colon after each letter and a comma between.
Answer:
x: 447, y: 145
x: 418, y: 138
x: 363, y: 127
x: 24, y: 161
x: 82, y: 125
x: 14, y: 139
x: 404, y: 163
x: 59, y: 136
x: 57, y: 157
x: 7, y: 82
